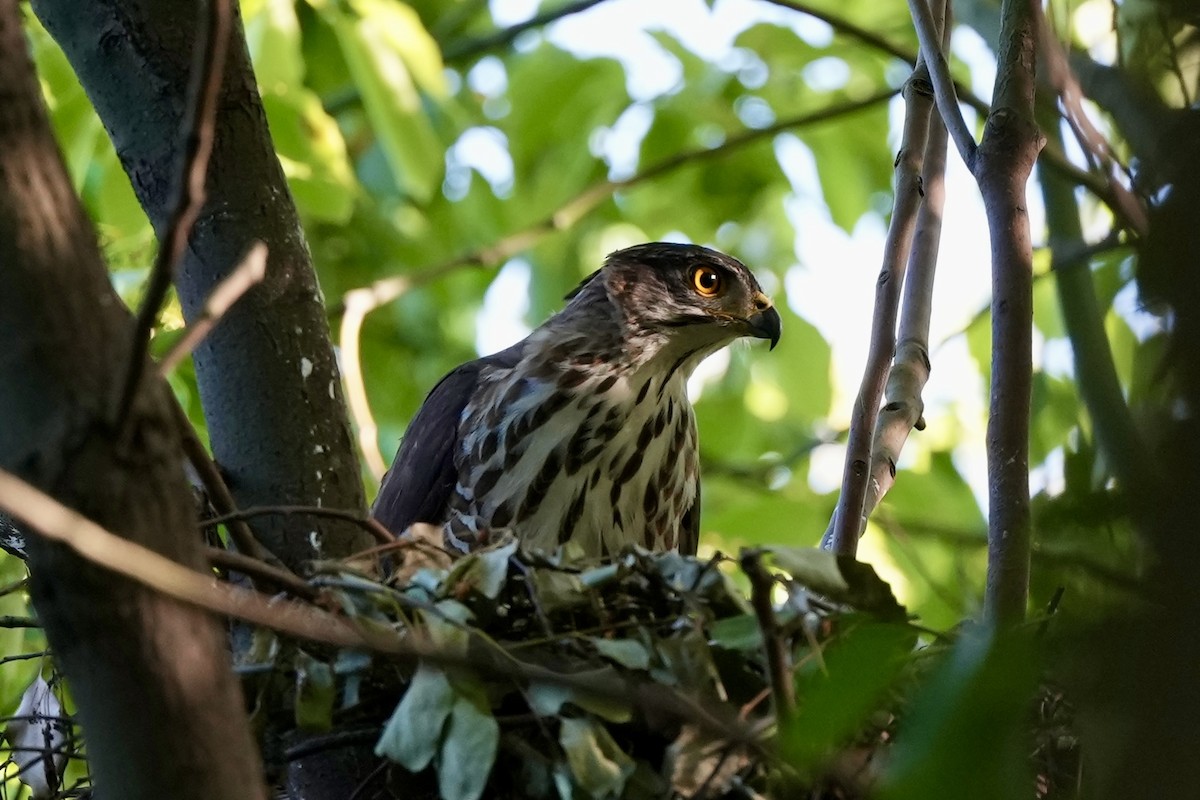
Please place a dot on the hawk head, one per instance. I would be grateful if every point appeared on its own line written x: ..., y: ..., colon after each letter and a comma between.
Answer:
x: 682, y: 297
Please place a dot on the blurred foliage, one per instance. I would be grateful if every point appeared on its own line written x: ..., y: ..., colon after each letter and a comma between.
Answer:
x: 401, y: 157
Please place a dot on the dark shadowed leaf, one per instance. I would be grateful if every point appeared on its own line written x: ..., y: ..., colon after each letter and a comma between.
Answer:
x: 965, y: 735
x: 840, y: 578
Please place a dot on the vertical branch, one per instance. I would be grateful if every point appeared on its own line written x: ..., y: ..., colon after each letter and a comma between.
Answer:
x: 1099, y: 386
x: 903, y: 407
x: 359, y: 302
x: 848, y: 516
x: 783, y: 690
x: 1010, y: 146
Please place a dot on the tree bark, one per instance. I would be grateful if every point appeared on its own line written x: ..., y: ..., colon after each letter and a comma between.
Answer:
x: 267, y: 375
x: 1006, y: 155
x: 163, y: 713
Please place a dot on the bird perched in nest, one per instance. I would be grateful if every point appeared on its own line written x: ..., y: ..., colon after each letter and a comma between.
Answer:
x: 582, y: 432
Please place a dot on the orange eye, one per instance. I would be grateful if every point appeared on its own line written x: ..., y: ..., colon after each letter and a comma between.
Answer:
x: 707, y: 281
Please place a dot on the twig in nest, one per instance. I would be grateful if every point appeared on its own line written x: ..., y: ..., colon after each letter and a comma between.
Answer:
x: 247, y: 273
x: 260, y: 571
x: 369, y: 524
x: 198, y: 128
x: 761, y: 585
x: 218, y: 493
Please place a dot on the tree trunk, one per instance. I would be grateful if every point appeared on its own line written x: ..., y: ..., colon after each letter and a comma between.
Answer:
x: 267, y: 375
x: 163, y: 713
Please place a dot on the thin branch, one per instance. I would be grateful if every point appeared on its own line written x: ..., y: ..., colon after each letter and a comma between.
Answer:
x: 903, y: 406
x: 260, y: 571
x: 1105, y: 187
x: 19, y: 622
x: 1173, y: 58
x: 939, y: 72
x: 58, y: 523
x: 198, y: 129
x: 1116, y: 433
x: 358, y: 303
x: 762, y: 583
x: 848, y: 518
x: 251, y: 270
x: 1091, y: 140
x: 474, y: 47
x: 846, y: 27
x: 372, y: 526
x: 218, y: 493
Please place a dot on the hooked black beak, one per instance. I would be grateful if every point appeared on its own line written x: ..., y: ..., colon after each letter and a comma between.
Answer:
x: 766, y: 324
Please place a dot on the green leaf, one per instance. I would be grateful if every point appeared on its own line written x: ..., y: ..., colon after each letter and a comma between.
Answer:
x: 273, y: 36
x: 393, y: 60
x: 834, y: 702
x: 468, y: 751
x: 839, y: 577
x: 737, y: 633
x: 626, y: 652
x: 597, y: 763
x: 315, y: 693
x: 411, y: 735
x: 313, y: 155
x: 966, y: 734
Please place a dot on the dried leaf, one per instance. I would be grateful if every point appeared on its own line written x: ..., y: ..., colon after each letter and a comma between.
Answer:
x: 840, y: 578
x: 468, y: 751
x: 427, y: 552
x: 697, y: 760
x: 35, y: 731
x: 558, y: 590
x: 484, y: 571
x: 412, y: 733
x: 598, y: 765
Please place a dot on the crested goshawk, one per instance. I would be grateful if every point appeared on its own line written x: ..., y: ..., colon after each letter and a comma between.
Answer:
x: 582, y: 431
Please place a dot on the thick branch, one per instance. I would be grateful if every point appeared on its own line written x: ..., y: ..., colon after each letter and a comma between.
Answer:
x: 150, y: 675
x: 196, y: 135
x: 1010, y: 146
